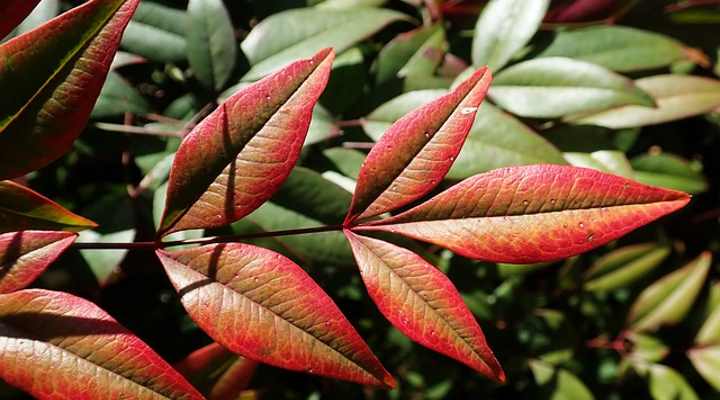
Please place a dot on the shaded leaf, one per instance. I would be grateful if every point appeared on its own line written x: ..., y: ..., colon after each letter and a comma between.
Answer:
x: 416, y: 152
x: 564, y: 385
x: 532, y: 214
x: 668, y: 171
x: 555, y: 86
x: 167, y: 28
x: 221, y: 373
x: 624, y: 266
x: 55, y: 345
x: 13, y: 12
x: 677, y: 97
x: 39, y: 123
x: 118, y: 97
x: 297, y: 33
x: 504, y: 27
x: 25, y: 255
x: 240, y: 154
x: 422, y: 303
x: 347, y: 161
x: 22, y: 208
x: 669, y: 299
x: 210, y: 42
x: 263, y: 306
x: 618, y: 48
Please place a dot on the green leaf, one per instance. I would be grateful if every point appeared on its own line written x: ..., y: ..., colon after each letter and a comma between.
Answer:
x: 322, y: 126
x: 378, y: 121
x: 669, y: 299
x: 677, y: 97
x: 669, y: 171
x: 43, y: 12
x: 398, y: 52
x: 167, y: 28
x: 667, y: 384
x: 610, y: 161
x: 347, y: 161
x: 563, y: 385
x: 504, y: 27
x: 709, y: 333
x: 646, y: 348
x: 706, y: 361
x: 555, y: 86
x: 118, y: 97
x: 618, y: 48
x: 210, y: 43
x: 624, y: 266
x: 299, y: 33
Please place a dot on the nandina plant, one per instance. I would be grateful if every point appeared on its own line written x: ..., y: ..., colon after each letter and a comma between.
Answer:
x: 250, y: 300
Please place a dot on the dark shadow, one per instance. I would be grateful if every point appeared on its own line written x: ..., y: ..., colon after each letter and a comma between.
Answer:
x: 230, y: 187
x: 46, y: 326
x: 7, y: 259
x: 211, y: 274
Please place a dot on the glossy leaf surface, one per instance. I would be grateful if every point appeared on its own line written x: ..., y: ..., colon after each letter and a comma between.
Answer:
x: 416, y: 152
x: 298, y: 33
x: 167, y: 28
x: 396, y: 55
x: 504, y: 27
x: 238, y: 156
x: 68, y: 59
x: 422, y: 303
x: 210, y: 42
x: 624, y: 266
x: 555, y: 86
x: 676, y: 96
x: 13, y: 12
x: 263, y: 306
x: 532, y: 214
x: 610, y: 161
x: 58, y: 346
x: 669, y: 299
x: 25, y: 255
x: 21, y: 208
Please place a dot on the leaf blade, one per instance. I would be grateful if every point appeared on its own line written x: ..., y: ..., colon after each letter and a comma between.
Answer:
x: 210, y: 42
x: 13, y: 12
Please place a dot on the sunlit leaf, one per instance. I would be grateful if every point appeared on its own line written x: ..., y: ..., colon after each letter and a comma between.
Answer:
x: 240, y: 154
x: 398, y: 52
x: 416, y: 152
x: 55, y: 345
x: 610, y: 161
x: 706, y: 361
x: 422, y: 303
x: 646, y: 348
x: 504, y: 27
x: 667, y: 384
x: 624, y: 266
x: 68, y: 65
x: 555, y: 86
x: 263, y: 306
x: 22, y: 208
x: 210, y: 42
x: 531, y: 214
x: 669, y: 299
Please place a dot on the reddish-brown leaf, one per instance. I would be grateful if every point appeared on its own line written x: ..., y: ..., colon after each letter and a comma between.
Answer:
x: 220, y: 373
x: 25, y: 255
x: 261, y: 305
x: 12, y: 13
x: 422, y: 303
x: 22, y: 208
x: 416, y: 152
x: 57, y: 346
x: 55, y: 73
x: 533, y: 213
x: 235, y: 159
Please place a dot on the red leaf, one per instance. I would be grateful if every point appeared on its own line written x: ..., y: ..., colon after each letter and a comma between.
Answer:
x: 533, y: 213
x: 13, y: 13
x: 57, y: 346
x: 261, y: 305
x: 234, y: 160
x: 581, y: 10
x: 22, y: 208
x: 25, y: 255
x: 67, y: 59
x: 422, y: 303
x: 416, y: 152
x: 210, y: 363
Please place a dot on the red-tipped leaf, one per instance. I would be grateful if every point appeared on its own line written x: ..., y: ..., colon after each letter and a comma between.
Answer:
x: 261, y: 305
x: 22, y: 208
x: 236, y: 158
x: 25, y: 255
x: 57, y: 346
x: 54, y: 74
x: 422, y: 303
x: 13, y: 12
x: 416, y: 152
x: 533, y: 213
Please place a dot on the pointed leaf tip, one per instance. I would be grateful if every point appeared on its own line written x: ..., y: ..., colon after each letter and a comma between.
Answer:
x: 416, y: 152
x: 237, y: 157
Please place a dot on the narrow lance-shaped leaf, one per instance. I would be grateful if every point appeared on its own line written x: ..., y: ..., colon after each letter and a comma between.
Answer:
x: 422, y: 303
x: 261, y: 305
x: 504, y: 27
x: 68, y: 59
x: 532, y: 214
x: 238, y: 156
x: 416, y: 152
x: 210, y: 42
x: 624, y: 266
x: 25, y: 255
x: 57, y: 346
x: 22, y: 208
x: 13, y: 12
x: 668, y: 300
x: 709, y: 333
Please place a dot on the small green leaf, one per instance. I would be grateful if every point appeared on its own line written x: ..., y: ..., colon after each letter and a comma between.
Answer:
x: 706, y: 361
x: 624, y: 266
x: 669, y: 171
x: 210, y: 42
x: 710, y: 331
x: 555, y: 86
x: 118, y: 97
x: 167, y: 28
x: 646, y: 348
x: 667, y: 384
x: 610, y: 161
x: 563, y: 385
